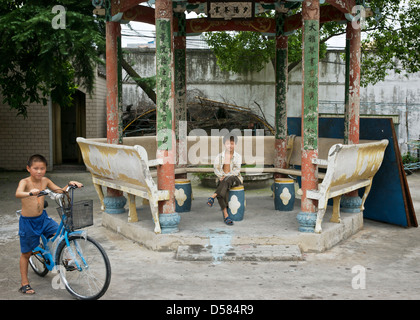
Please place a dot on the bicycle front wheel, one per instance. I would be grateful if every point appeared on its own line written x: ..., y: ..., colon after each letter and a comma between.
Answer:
x: 84, y: 267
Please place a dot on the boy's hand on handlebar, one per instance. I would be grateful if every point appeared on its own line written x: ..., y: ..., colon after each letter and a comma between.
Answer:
x: 75, y: 184
x: 34, y: 192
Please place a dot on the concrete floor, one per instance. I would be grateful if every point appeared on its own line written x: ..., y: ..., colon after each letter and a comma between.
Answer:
x: 380, y: 261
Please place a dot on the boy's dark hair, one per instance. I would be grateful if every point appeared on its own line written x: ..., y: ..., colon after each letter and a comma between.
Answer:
x: 231, y: 137
x: 37, y: 158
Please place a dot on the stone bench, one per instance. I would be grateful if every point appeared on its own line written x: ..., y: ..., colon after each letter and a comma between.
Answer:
x: 349, y: 168
x: 123, y: 168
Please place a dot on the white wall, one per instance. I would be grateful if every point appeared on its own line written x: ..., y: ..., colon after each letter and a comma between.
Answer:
x: 397, y: 95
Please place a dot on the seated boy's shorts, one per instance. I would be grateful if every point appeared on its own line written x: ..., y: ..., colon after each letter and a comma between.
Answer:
x: 31, y: 228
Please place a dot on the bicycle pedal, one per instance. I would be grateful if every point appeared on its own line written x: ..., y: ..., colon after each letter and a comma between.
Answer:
x: 68, y: 264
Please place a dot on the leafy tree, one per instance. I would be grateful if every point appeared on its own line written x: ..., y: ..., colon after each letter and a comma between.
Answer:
x: 38, y: 61
x: 245, y: 51
x: 392, y: 40
x: 240, y: 52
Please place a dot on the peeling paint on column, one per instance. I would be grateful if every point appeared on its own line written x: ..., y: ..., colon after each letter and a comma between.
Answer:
x: 165, y: 104
x: 309, y: 179
x: 113, y: 30
x: 281, y: 101
x: 352, y: 106
x: 164, y: 90
x: 180, y: 99
x: 310, y: 83
x: 352, y: 94
x: 310, y: 74
x: 113, y: 111
x: 120, y: 106
x: 180, y: 73
x: 281, y: 87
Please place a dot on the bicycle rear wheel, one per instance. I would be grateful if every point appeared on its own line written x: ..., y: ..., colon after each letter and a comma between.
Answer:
x: 84, y: 267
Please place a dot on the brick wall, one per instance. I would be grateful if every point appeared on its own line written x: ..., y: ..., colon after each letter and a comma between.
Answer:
x: 20, y: 138
x: 96, y: 110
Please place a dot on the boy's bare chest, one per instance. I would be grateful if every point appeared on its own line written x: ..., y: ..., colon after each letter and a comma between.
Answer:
x: 40, y: 185
x: 226, y: 163
x: 228, y: 159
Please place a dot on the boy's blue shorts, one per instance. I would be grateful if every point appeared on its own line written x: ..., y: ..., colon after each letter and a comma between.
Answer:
x: 31, y: 228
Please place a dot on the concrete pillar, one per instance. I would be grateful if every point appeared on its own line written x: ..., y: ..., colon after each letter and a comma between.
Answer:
x: 310, y: 78
x: 351, y: 202
x: 281, y: 99
x: 165, y: 126
x: 114, y: 201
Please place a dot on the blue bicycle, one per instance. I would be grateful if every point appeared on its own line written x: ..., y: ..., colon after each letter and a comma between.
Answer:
x: 81, y: 262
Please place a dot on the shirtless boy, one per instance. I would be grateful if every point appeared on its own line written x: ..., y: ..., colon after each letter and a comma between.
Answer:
x: 34, y: 220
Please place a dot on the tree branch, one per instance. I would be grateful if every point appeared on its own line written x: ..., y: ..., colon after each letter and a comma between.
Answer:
x: 141, y: 82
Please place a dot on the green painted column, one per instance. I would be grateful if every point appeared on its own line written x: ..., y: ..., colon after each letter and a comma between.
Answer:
x: 281, y: 95
x: 165, y: 133
x: 310, y: 80
x: 180, y: 91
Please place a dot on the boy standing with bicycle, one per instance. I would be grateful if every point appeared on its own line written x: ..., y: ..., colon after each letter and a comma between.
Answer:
x: 34, y: 220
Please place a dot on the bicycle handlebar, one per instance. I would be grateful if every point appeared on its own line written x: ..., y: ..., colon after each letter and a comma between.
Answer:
x: 53, y: 195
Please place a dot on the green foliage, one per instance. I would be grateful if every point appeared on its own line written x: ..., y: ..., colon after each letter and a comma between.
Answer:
x: 240, y: 52
x: 38, y: 61
x: 408, y: 158
x: 246, y: 51
x: 392, y: 41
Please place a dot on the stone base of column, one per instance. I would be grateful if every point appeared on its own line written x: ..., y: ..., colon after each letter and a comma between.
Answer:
x: 350, y: 204
x: 115, y: 204
x: 169, y: 222
x: 306, y: 221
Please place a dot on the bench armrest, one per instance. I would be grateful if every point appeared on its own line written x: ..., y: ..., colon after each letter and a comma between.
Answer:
x: 321, y: 162
x: 155, y: 162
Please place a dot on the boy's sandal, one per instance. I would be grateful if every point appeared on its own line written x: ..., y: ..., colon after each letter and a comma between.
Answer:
x: 228, y: 221
x: 210, y: 202
x: 24, y: 289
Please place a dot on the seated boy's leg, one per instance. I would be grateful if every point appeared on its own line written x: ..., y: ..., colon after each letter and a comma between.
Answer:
x: 222, y: 202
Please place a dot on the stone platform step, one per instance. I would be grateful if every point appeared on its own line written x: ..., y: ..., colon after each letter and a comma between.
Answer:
x: 239, y: 253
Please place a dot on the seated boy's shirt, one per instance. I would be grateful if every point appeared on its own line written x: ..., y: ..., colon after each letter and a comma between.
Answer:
x: 31, y: 228
x: 235, y: 165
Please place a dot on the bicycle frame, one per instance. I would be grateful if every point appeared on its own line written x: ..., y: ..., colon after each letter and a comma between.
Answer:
x: 68, y: 251
x: 62, y: 233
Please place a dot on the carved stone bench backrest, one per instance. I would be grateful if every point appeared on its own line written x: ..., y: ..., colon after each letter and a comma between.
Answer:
x: 349, y: 163
x: 117, y: 162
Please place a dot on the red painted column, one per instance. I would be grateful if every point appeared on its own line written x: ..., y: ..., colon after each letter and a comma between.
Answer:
x: 351, y: 202
x: 354, y: 35
x: 114, y: 201
x: 113, y: 32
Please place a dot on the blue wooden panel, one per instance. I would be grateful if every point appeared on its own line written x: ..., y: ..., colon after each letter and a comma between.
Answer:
x: 386, y: 200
